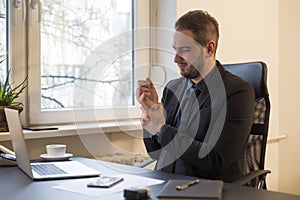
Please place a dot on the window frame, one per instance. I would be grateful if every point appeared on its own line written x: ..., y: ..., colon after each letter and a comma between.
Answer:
x: 24, y: 55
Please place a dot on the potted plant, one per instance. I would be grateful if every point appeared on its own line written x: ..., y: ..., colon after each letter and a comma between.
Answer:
x: 8, y: 96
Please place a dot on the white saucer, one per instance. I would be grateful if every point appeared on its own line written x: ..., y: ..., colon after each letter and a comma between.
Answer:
x: 51, y: 158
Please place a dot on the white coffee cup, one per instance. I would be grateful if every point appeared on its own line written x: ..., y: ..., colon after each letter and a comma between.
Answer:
x: 56, y: 150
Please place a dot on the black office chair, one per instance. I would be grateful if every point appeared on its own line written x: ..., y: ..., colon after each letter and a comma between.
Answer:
x: 255, y: 73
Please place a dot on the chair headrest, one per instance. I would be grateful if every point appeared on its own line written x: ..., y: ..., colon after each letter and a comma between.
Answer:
x: 255, y: 73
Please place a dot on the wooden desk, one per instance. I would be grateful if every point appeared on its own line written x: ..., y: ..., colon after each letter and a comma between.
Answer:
x: 15, y: 185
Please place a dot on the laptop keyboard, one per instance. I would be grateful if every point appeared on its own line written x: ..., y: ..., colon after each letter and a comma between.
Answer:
x: 47, y: 169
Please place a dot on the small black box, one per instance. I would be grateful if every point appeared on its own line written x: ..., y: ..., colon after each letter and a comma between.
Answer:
x: 137, y: 193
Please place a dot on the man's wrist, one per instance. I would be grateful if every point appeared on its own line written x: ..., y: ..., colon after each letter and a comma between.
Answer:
x: 156, y: 119
x: 155, y: 107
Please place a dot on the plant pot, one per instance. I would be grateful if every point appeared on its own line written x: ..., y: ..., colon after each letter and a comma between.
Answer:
x: 3, y: 122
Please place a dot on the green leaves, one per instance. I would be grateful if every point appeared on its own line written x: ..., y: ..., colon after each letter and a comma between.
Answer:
x: 8, y: 95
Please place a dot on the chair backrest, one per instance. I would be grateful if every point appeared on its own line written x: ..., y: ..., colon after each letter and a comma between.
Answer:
x: 255, y: 73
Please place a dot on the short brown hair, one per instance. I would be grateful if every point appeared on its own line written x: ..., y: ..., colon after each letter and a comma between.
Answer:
x: 203, y: 25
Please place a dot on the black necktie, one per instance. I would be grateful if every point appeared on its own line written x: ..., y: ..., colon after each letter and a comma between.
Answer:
x: 188, y: 100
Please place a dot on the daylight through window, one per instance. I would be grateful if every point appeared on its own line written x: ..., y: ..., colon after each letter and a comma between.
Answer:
x: 86, y: 58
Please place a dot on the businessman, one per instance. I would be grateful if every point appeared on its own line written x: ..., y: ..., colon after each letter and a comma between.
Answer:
x: 201, y: 126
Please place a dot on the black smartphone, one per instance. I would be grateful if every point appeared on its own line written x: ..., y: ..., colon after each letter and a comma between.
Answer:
x: 105, y: 182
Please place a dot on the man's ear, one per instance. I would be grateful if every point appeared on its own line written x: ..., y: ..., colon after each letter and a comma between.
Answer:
x: 211, y: 46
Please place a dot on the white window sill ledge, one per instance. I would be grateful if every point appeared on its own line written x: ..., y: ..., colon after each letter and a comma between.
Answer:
x: 80, y: 129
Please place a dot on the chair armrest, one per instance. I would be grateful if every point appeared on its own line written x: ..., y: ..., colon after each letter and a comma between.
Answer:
x: 248, y: 177
x: 145, y: 163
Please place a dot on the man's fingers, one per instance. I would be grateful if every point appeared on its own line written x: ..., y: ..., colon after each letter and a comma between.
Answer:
x: 149, y: 80
x: 140, y: 98
x: 144, y: 101
x: 143, y: 109
x: 142, y: 83
x: 145, y: 83
x: 151, y: 86
x: 141, y: 89
x: 145, y: 93
x: 145, y: 119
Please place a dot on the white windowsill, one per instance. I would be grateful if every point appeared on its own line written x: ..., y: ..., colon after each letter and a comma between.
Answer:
x: 82, y: 129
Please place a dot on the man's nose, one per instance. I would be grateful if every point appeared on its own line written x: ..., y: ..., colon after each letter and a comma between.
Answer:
x: 177, y: 58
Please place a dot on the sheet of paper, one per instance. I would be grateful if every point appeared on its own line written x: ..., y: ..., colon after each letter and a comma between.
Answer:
x: 80, y: 186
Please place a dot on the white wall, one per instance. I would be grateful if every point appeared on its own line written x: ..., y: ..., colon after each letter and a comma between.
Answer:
x: 289, y: 42
x: 248, y: 32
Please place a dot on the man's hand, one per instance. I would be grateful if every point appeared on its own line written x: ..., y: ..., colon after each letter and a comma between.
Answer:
x: 146, y: 94
x: 152, y: 112
x: 153, y: 119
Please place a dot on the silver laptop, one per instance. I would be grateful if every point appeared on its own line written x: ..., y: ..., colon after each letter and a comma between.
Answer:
x: 41, y: 170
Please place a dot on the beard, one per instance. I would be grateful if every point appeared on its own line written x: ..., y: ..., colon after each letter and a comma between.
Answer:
x: 192, y: 73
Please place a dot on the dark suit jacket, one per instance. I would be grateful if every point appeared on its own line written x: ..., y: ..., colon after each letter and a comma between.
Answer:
x: 215, y: 148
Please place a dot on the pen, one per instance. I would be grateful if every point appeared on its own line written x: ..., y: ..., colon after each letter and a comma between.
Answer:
x: 188, y: 184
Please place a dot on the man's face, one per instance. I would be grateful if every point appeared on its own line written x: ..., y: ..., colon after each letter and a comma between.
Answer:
x: 189, y: 55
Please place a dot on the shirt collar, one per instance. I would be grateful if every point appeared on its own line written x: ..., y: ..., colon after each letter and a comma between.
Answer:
x: 201, y: 85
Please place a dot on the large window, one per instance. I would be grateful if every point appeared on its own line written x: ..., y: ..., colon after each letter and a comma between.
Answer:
x: 81, y: 57
x: 82, y: 45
